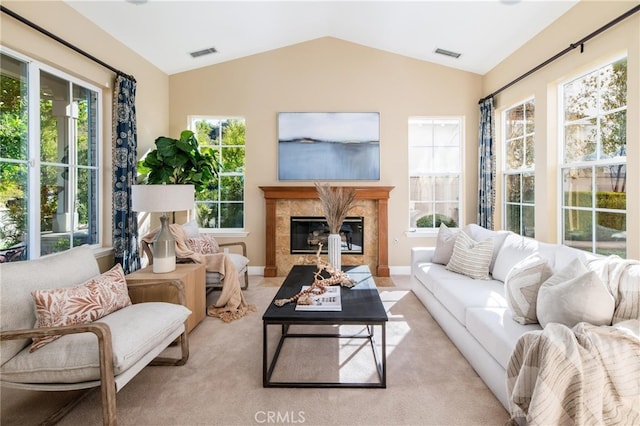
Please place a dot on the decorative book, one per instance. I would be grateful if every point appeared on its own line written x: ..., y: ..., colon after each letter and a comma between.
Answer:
x: 327, y: 301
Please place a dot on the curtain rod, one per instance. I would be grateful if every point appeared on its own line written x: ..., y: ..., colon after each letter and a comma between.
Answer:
x: 572, y: 46
x: 66, y: 43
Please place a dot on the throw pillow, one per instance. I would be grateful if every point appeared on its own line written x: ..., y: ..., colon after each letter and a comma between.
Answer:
x: 471, y: 258
x: 191, y: 229
x: 522, y: 285
x: 80, y: 304
x: 205, y: 244
x: 480, y: 233
x: 575, y: 295
x: 444, y: 245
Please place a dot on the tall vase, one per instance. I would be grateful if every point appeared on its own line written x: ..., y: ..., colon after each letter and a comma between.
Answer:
x: 334, y: 250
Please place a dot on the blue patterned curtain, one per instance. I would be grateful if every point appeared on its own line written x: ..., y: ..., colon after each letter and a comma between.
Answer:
x: 487, y: 165
x: 124, y: 155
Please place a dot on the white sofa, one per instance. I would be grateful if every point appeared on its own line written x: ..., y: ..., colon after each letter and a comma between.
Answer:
x: 474, y: 313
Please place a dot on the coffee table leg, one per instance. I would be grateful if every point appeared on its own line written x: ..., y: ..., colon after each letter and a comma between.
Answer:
x: 264, y: 354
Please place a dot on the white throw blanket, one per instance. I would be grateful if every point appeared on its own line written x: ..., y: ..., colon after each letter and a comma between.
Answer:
x: 587, y: 375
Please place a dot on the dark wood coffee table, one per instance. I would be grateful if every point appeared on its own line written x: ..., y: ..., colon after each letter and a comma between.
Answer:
x: 361, y: 305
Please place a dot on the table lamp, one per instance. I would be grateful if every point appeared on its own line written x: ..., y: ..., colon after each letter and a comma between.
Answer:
x: 163, y: 199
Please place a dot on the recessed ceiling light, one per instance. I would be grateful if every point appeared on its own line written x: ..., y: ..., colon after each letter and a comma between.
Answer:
x: 203, y: 52
x: 137, y: 1
x: 448, y: 53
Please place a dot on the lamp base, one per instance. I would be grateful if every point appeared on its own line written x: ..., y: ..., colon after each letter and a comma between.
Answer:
x: 164, y: 264
x: 164, y: 248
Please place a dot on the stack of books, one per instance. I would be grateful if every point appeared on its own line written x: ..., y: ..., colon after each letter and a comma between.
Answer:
x: 327, y: 301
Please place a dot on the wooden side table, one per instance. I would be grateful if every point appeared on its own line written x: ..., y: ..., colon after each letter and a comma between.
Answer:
x: 192, y: 276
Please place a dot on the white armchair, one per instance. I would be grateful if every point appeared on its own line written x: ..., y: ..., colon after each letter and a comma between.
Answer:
x: 77, y: 359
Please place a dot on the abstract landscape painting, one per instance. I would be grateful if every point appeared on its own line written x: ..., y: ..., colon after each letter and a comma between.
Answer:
x: 329, y: 146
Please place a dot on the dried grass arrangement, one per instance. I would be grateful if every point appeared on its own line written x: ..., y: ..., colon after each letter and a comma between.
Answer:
x: 336, y: 203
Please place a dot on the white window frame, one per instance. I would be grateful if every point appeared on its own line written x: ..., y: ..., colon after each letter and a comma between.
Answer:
x: 34, y: 68
x: 225, y: 232
x: 522, y: 171
x: 427, y: 232
x: 581, y: 164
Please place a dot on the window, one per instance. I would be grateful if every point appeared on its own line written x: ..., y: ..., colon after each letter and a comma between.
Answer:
x: 49, y: 162
x: 519, y: 174
x: 221, y: 206
x: 593, y: 166
x: 435, y: 157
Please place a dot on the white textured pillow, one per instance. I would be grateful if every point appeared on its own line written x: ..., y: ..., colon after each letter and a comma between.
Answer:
x: 444, y: 245
x: 522, y: 285
x: 575, y: 295
x: 191, y: 229
x: 514, y: 249
x: 471, y: 258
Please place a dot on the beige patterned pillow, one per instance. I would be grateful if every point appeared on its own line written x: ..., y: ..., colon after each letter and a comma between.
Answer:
x: 521, y: 287
x: 80, y: 304
x: 471, y: 258
x: 205, y: 244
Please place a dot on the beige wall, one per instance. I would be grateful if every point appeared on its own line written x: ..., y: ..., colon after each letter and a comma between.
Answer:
x: 581, y: 20
x: 332, y: 75
x: 152, y: 97
x: 328, y: 74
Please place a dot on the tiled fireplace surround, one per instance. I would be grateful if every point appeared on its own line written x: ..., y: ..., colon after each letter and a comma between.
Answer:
x: 282, y: 202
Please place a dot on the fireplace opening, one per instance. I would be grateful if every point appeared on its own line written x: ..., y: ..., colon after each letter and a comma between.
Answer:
x: 309, y: 231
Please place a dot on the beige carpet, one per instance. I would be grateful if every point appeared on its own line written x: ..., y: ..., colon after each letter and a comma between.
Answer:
x: 428, y: 381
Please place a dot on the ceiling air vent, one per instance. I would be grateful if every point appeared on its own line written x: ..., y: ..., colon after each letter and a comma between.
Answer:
x: 448, y: 53
x: 203, y: 52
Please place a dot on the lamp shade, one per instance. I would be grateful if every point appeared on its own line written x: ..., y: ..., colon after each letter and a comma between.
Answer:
x: 162, y: 198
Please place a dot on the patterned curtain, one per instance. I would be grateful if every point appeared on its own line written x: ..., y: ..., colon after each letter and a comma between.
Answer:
x: 487, y: 165
x: 124, y: 155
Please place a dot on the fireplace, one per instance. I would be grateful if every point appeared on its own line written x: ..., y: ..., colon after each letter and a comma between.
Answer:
x: 282, y: 202
x: 307, y: 232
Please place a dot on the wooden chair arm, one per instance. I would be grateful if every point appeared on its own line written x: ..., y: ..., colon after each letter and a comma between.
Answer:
x: 182, y: 298
x: 105, y: 357
x: 146, y: 249
x: 238, y: 243
x: 96, y: 328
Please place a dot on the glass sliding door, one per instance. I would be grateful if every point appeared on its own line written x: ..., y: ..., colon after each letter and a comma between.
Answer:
x: 49, y: 160
x: 14, y: 159
x: 68, y: 172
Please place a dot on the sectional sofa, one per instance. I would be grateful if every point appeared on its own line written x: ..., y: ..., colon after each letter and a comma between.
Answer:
x: 476, y: 314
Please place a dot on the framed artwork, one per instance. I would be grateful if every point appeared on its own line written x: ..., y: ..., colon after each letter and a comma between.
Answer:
x: 329, y: 146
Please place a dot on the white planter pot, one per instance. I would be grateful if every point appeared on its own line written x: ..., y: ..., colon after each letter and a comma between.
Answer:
x: 334, y: 250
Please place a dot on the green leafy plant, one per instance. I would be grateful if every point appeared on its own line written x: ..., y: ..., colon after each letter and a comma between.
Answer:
x: 179, y: 161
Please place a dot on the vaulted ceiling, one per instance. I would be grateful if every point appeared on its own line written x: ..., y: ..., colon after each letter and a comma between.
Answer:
x: 484, y: 32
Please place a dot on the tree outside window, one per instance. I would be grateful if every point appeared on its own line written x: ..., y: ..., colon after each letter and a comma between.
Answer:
x: 221, y: 205
x: 593, y: 170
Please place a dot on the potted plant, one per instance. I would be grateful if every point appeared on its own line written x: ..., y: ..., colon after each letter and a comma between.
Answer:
x: 179, y: 161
